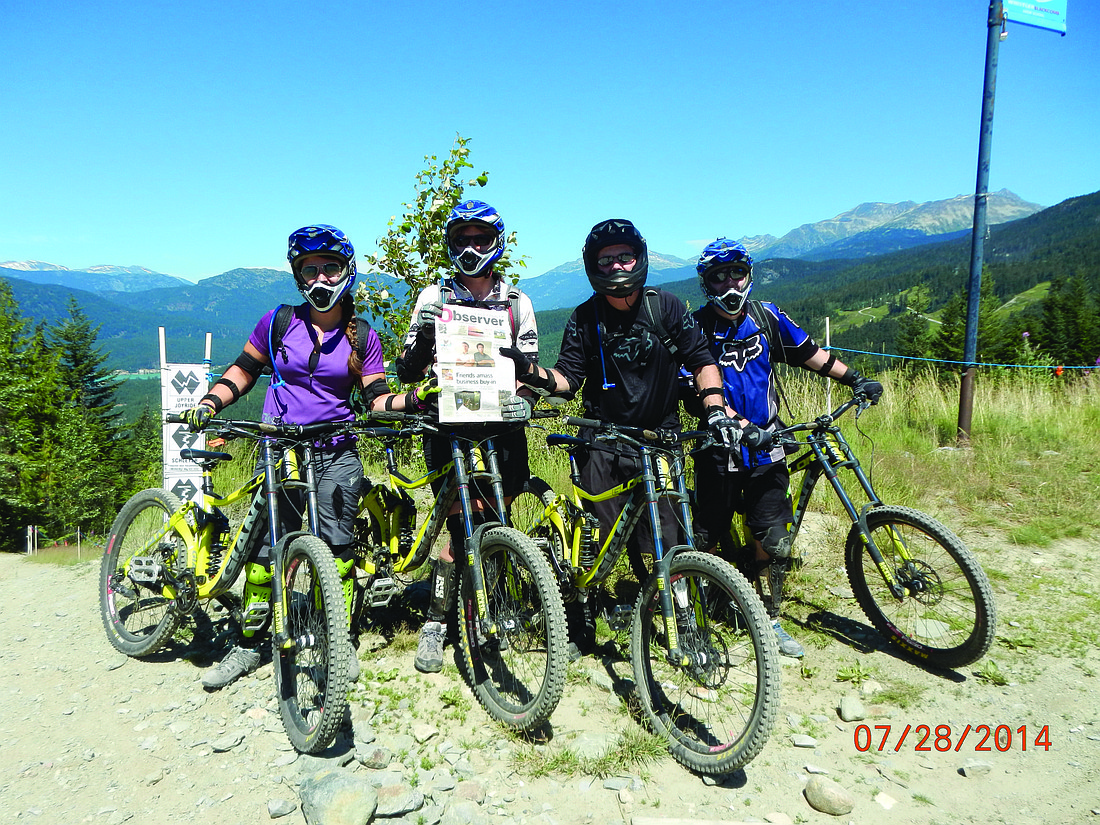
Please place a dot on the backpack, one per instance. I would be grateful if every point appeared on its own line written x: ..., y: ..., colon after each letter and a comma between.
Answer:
x: 765, y: 321
x: 280, y: 323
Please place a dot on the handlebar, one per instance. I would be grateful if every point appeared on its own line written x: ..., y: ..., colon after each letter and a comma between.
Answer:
x: 610, y: 430
x: 786, y: 435
x: 261, y: 428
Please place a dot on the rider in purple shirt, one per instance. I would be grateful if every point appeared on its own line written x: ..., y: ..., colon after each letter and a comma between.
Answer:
x: 317, y: 365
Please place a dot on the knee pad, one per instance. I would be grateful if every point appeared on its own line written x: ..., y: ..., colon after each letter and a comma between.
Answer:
x: 777, y: 542
x: 441, y: 603
x: 256, y: 610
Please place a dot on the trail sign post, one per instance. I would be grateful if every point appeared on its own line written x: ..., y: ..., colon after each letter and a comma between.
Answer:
x: 181, y: 387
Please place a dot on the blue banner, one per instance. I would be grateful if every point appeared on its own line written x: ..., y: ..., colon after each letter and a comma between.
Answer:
x: 1045, y: 14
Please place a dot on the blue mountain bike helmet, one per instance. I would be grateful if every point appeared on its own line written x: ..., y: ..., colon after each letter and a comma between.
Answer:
x: 470, y: 259
x: 321, y: 239
x: 612, y: 233
x: 729, y: 258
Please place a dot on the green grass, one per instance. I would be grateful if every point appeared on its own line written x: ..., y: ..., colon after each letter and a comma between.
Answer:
x: 635, y: 750
x: 66, y: 555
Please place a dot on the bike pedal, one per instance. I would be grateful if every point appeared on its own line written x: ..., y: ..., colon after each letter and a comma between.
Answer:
x: 381, y: 592
x: 143, y: 571
x: 255, y: 616
x: 620, y: 617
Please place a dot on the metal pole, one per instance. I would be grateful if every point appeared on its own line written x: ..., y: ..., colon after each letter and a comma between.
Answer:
x: 995, y: 24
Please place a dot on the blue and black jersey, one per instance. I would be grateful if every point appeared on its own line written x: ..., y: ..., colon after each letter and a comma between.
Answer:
x: 745, y: 358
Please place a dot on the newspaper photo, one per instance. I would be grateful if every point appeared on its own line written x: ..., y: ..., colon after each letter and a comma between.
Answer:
x: 475, y: 380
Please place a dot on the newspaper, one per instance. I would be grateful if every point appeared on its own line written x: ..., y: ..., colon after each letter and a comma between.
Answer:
x: 475, y: 380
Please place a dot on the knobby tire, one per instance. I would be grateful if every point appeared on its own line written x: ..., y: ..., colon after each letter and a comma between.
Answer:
x: 141, y: 617
x: 525, y: 511
x: 311, y: 677
x: 717, y: 713
x: 518, y: 676
x: 948, y: 617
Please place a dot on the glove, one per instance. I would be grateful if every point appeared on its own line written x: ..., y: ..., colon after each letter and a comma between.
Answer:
x: 869, y: 387
x: 516, y: 408
x: 524, y: 365
x: 528, y: 372
x: 422, y: 397
x: 198, y: 417
x: 755, y: 438
x: 425, y: 318
x: 725, y: 428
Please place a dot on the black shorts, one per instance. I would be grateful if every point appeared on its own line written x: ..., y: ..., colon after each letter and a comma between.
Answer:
x: 511, y: 449
x: 602, y: 470
x: 763, y: 493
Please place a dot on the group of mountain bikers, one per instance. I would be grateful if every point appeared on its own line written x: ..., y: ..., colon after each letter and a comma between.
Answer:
x: 628, y: 350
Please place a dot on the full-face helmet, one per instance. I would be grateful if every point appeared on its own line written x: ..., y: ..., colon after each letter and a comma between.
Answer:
x: 724, y: 257
x: 612, y: 233
x: 475, y: 259
x: 321, y: 239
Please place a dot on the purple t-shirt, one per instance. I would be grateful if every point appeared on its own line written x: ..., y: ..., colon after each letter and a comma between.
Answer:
x: 323, y: 394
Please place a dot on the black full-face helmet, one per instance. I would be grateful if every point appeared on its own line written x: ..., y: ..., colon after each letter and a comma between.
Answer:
x: 611, y: 233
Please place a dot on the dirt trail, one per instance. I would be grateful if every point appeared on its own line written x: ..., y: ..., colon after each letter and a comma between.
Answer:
x: 87, y: 735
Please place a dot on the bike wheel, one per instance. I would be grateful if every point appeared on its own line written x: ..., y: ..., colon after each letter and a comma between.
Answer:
x: 138, y: 613
x: 518, y: 674
x: 716, y: 711
x: 311, y: 672
x: 526, y: 510
x: 946, y: 616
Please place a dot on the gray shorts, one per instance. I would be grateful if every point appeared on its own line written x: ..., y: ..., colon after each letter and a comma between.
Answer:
x: 339, y: 477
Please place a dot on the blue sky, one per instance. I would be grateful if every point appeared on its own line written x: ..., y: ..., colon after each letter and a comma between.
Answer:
x: 191, y: 138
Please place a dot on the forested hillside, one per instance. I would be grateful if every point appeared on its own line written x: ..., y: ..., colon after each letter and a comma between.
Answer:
x: 1041, y: 276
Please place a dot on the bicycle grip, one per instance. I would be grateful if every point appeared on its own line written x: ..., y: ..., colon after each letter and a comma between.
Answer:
x: 174, y: 418
x: 584, y: 422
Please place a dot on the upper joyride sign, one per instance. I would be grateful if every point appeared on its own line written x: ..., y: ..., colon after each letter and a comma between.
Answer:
x: 1045, y: 14
x: 181, y: 387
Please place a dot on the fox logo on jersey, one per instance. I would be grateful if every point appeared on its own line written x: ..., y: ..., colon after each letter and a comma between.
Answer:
x: 737, y: 354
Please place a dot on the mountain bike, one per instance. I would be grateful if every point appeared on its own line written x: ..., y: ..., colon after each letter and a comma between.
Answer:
x: 511, y: 618
x: 914, y: 579
x: 163, y: 557
x: 705, y: 661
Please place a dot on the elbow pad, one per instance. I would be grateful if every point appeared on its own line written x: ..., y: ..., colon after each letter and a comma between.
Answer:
x: 374, y: 390
x: 411, y: 364
x: 250, y: 365
x: 406, y: 370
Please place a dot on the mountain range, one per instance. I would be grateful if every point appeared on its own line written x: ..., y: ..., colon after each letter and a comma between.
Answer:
x: 877, y: 228
x: 867, y: 230
x: 129, y: 303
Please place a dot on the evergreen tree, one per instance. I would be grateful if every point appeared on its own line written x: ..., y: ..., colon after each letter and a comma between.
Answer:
x: 142, y: 453
x: 913, y: 336
x: 91, y: 387
x: 1068, y: 333
x: 14, y: 507
x: 949, y: 343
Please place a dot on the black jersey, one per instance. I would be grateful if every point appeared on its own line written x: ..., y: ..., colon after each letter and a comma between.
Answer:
x: 630, y: 377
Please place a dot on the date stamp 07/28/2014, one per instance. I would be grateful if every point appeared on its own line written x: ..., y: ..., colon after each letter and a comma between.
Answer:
x: 944, y: 738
